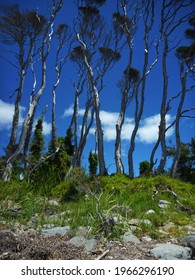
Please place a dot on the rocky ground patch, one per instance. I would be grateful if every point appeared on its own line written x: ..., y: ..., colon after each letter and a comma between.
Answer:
x: 33, y: 246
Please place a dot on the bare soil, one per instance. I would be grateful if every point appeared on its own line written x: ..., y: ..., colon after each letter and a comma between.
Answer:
x: 24, y: 247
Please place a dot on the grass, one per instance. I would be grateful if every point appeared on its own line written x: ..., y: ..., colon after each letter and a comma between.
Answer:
x: 103, y: 204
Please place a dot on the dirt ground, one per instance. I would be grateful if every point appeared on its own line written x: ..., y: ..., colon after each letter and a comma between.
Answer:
x: 13, y: 247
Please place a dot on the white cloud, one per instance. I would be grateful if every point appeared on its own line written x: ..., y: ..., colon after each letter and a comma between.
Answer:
x: 46, y: 128
x: 108, y: 118
x: 6, y: 115
x: 147, y: 132
x: 127, y: 129
x: 69, y: 112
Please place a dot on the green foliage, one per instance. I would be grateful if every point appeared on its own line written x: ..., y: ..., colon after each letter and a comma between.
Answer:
x: 66, y: 191
x: 122, y: 21
x: 62, y: 29
x: 12, y: 190
x: 78, y: 53
x: 37, y: 144
x: 68, y: 142
x: 75, y: 183
x: 109, y: 55
x: 186, y: 52
x: 89, y: 11
x: 190, y: 34
x: 93, y: 163
x: 186, y: 165
x: 104, y: 205
x: 132, y: 74
x: 115, y: 183
x: 18, y: 27
x: 144, y: 168
x: 52, y: 170
x: 95, y: 2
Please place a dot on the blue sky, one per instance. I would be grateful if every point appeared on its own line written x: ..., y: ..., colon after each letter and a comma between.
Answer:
x: 109, y: 97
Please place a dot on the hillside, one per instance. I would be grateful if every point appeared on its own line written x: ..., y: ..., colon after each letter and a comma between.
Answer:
x: 103, y: 212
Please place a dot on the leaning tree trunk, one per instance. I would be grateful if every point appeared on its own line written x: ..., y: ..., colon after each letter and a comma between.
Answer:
x: 139, y: 106
x: 162, y: 126
x: 76, y: 162
x: 45, y: 50
x: 100, y: 144
x: 15, y: 122
x: 118, y: 159
x: 177, y: 122
x: 25, y: 127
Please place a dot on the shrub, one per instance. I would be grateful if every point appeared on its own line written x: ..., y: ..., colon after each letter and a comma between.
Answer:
x: 75, y: 183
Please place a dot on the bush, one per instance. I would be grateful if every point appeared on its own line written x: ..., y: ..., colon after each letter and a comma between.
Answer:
x: 75, y: 183
x: 65, y: 191
x: 115, y: 183
x: 144, y: 168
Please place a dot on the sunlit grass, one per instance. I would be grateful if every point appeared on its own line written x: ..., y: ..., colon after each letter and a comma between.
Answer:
x: 99, y: 201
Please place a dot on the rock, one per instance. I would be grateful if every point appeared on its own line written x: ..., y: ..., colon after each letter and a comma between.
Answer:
x: 164, y: 204
x: 189, y: 241
x: 129, y: 237
x: 78, y: 241
x: 150, y: 212
x: 167, y: 226
x: 56, y: 231
x: 46, y: 226
x: 53, y: 202
x: 31, y: 232
x: 90, y: 245
x: 146, y: 222
x: 132, y: 228
x: 190, y: 229
x: 134, y: 222
x: 171, y: 252
x: 147, y: 238
x: 82, y: 231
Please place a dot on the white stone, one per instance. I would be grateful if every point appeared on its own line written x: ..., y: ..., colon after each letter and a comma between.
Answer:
x: 171, y: 252
x: 151, y: 211
x: 129, y: 237
x: 56, y: 231
x: 163, y: 204
x: 78, y: 241
x: 146, y: 222
x: 147, y: 238
x: 53, y: 202
x: 90, y: 245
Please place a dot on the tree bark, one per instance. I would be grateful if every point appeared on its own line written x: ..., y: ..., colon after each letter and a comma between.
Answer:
x: 16, y: 116
x: 162, y: 126
x: 102, y: 167
x: 139, y: 106
x: 45, y: 50
x: 177, y: 122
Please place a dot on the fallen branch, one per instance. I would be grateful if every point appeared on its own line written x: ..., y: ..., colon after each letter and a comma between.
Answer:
x: 103, y: 255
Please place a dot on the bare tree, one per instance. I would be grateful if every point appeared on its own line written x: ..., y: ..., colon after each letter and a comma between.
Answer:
x: 186, y: 55
x: 125, y: 27
x: 22, y: 29
x: 44, y: 52
x: 171, y: 18
x: 98, y: 58
x: 63, y: 37
x: 148, y: 19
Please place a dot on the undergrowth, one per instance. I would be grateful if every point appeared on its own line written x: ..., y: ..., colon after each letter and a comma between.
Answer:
x: 104, y: 205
